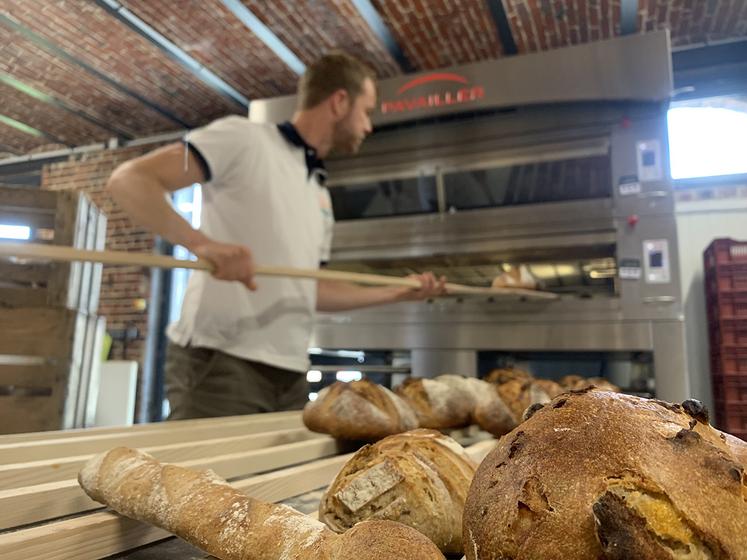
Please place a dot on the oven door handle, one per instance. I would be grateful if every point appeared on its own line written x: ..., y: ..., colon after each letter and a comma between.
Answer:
x: 653, y: 194
x: 659, y: 299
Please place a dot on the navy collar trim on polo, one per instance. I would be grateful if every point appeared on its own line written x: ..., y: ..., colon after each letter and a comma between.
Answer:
x: 314, y: 164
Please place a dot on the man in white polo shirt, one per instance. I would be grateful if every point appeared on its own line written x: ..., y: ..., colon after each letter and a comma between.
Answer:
x: 240, y: 344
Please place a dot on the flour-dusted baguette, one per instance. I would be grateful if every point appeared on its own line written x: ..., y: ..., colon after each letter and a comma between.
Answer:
x: 599, y: 475
x: 437, y: 405
x: 359, y: 410
x: 206, y: 511
x: 418, y: 478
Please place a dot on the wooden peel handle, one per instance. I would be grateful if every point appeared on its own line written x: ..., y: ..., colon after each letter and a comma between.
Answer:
x: 69, y: 254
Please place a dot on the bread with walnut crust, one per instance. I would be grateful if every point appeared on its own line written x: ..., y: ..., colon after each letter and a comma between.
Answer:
x: 595, y: 474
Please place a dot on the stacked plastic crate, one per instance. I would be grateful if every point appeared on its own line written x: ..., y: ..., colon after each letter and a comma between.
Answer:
x: 725, y: 263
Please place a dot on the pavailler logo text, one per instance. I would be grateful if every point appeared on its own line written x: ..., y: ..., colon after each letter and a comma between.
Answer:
x: 452, y: 96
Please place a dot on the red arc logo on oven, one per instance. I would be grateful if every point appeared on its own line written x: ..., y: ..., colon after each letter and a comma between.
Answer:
x: 457, y: 91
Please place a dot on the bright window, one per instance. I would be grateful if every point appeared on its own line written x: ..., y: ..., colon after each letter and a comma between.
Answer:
x: 708, y: 137
x: 14, y: 232
x: 188, y: 203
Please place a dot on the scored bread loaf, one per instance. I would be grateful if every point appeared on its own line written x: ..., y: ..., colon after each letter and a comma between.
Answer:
x: 502, y: 375
x: 207, y: 512
x: 551, y: 388
x: 520, y: 395
x: 436, y: 404
x: 516, y: 277
x: 599, y: 475
x: 359, y: 410
x: 475, y: 391
x: 419, y: 478
x: 569, y: 381
x: 599, y: 383
x: 495, y: 416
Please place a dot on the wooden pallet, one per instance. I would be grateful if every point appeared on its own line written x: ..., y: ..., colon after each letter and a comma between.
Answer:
x: 51, y: 334
x: 47, y: 516
x: 61, y: 218
x: 49, y: 360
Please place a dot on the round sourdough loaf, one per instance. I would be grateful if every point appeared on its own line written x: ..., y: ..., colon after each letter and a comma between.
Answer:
x: 359, y: 410
x: 418, y: 478
x: 436, y: 404
x: 597, y: 475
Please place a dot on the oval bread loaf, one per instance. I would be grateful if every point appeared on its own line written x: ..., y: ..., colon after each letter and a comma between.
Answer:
x: 520, y: 395
x: 494, y: 415
x: 502, y: 375
x: 474, y: 390
x: 437, y: 405
x: 359, y: 410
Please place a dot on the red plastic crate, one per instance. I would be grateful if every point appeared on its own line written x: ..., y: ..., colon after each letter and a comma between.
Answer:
x: 727, y: 278
x: 729, y: 359
x: 731, y: 417
x: 729, y: 332
x: 726, y: 305
x: 741, y: 434
x: 725, y: 251
x: 729, y: 388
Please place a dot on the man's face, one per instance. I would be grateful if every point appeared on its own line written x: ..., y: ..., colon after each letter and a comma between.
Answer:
x: 356, y: 124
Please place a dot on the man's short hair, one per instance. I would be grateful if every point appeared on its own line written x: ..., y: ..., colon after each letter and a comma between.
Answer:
x: 333, y: 71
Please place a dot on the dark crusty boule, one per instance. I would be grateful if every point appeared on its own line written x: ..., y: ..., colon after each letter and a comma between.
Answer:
x: 594, y: 474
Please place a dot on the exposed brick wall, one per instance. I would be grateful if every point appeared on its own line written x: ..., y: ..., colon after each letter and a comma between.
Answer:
x: 121, y: 285
x: 50, y: 119
x: 694, y: 21
x: 52, y: 75
x: 310, y: 28
x: 91, y: 34
x: 543, y: 24
x: 539, y: 25
x: 209, y: 32
x: 438, y: 33
x: 432, y: 34
x: 20, y: 141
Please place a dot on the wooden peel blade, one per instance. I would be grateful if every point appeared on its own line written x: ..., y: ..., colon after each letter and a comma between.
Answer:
x: 37, y: 251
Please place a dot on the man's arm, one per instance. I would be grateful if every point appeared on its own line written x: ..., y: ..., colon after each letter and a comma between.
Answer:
x: 141, y: 187
x: 334, y: 295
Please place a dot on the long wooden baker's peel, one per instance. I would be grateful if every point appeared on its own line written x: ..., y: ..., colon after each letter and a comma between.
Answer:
x: 67, y: 254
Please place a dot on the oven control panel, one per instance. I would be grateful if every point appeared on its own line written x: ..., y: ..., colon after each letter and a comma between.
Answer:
x: 656, y: 265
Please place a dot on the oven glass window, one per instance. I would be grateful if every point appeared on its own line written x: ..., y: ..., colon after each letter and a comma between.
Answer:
x: 553, y: 181
x: 391, y: 197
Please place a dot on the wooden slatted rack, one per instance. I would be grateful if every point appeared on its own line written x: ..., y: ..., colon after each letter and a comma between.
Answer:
x: 45, y: 515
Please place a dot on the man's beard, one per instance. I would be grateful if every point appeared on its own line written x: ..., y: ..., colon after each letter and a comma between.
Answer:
x: 344, y: 141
